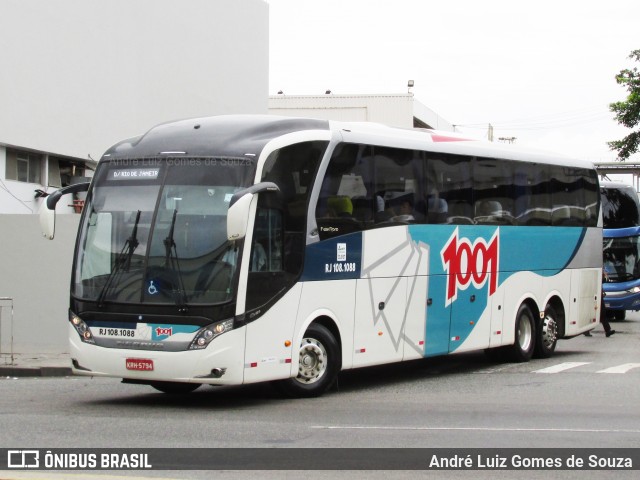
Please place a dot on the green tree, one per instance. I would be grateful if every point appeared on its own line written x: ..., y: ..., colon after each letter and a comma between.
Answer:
x: 628, y: 111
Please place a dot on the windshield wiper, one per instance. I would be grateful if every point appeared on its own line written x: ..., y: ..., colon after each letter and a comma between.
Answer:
x: 171, y: 259
x: 123, y: 260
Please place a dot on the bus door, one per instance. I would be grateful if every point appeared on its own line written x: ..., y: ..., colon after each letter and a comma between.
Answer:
x: 584, y: 303
x: 390, y: 298
x: 276, y: 259
x: 471, y: 263
x: 476, y: 321
x: 438, y: 317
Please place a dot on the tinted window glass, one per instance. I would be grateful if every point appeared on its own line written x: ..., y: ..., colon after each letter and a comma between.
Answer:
x: 277, y: 250
x: 532, y: 201
x: 620, y: 207
x: 369, y: 186
x: 456, y: 187
x: 493, y: 192
x: 347, y: 202
x: 399, y: 197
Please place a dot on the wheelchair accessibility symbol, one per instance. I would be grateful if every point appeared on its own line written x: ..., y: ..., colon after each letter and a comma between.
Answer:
x: 152, y: 288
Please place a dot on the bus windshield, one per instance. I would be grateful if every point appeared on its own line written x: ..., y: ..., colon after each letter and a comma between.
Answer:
x: 154, y: 231
x: 620, y: 207
x: 621, y: 259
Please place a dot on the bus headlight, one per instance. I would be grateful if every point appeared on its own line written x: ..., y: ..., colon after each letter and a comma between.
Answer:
x: 206, y: 334
x: 82, y: 328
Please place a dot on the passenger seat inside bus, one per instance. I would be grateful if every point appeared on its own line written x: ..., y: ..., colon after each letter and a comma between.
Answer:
x: 338, y: 219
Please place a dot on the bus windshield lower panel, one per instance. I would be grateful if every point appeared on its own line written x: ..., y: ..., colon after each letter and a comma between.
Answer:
x: 154, y: 231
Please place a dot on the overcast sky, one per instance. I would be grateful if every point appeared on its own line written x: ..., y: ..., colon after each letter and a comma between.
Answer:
x: 541, y: 71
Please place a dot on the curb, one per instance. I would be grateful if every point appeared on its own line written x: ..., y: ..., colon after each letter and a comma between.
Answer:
x: 13, y: 371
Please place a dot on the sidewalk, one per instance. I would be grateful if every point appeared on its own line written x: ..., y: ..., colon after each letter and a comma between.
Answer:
x: 35, y: 365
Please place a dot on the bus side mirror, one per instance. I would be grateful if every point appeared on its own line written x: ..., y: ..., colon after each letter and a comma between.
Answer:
x: 47, y: 221
x: 238, y: 218
x: 240, y: 207
x: 48, y: 209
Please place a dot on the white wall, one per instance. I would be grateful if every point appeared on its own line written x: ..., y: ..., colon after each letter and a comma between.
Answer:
x: 397, y: 110
x: 394, y: 110
x: 80, y: 75
x: 36, y: 273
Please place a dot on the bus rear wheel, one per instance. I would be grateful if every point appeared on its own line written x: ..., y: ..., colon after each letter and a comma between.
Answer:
x: 525, y: 334
x: 547, y: 335
x: 318, y: 364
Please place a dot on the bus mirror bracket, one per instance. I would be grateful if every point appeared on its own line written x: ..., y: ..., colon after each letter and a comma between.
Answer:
x: 239, y: 206
x: 48, y: 208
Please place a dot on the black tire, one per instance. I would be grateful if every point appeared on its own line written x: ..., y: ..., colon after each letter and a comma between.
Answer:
x: 175, y: 387
x: 319, y: 364
x: 547, y: 334
x: 496, y: 354
x: 619, y: 315
x: 525, y: 336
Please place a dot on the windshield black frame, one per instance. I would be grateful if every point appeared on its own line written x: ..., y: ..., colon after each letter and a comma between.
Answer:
x: 153, y: 232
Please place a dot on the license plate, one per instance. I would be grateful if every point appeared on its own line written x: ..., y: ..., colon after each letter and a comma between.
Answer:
x: 144, y: 364
x: 116, y: 332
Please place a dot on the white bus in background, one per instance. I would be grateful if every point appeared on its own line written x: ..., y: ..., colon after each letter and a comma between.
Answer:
x: 241, y: 249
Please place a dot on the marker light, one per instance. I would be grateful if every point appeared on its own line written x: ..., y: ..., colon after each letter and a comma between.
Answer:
x: 206, y: 334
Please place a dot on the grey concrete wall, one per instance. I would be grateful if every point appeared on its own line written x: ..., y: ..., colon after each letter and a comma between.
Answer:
x: 79, y: 75
x: 36, y: 273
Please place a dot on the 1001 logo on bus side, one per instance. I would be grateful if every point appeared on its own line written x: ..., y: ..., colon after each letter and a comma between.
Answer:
x: 469, y: 263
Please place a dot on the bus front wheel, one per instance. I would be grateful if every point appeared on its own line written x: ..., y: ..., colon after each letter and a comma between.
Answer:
x: 525, y: 334
x: 175, y: 387
x: 318, y: 364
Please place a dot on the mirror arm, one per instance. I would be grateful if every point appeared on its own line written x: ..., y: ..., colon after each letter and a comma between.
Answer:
x: 53, y: 198
x: 257, y: 188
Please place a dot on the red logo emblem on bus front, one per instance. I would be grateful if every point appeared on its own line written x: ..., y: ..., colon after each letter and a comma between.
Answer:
x: 469, y: 263
x: 160, y: 332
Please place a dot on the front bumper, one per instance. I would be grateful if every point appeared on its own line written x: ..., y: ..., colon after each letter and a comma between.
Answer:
x: 224, y: 354
x: 622, y: 300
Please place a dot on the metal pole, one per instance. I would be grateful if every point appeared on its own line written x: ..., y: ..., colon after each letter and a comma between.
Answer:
x: 10, y: 300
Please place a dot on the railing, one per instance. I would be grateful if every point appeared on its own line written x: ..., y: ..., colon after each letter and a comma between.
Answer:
x: 6, y: 303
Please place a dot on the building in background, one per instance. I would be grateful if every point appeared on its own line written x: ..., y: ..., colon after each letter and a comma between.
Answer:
x: 78, y: 76
x: 398, y: 110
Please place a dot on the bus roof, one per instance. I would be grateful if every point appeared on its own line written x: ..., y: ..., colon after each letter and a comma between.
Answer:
x: 449, y: 142
x: 614, y: 184
x: 239, y: 135
x: 224, y: 135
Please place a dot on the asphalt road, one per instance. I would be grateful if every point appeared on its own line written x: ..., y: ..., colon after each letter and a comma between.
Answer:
x: 586, y: 395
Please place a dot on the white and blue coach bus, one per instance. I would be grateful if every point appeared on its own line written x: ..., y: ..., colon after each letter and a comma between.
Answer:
x: 240, y: 249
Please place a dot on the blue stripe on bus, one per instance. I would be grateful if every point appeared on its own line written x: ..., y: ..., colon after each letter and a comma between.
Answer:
x: 620, y: 232
x: 336, y: 258
x: 518, y: 250
x: 529, y: 248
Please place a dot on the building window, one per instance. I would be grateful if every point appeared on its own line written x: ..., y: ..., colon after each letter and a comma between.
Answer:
x: 64, y: 172
x: 24, y: 166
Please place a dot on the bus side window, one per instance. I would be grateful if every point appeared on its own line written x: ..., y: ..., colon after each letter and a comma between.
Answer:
x: 277, y: 249
x: 345, y: 204
x: 454, y: 174
x: 267, y: 246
